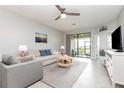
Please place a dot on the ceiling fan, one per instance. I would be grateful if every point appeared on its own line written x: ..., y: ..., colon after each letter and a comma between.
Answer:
x: 64, y: 14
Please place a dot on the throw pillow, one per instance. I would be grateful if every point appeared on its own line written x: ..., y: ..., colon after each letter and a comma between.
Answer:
x: 42, y: 53
x: 48, y: 52
x: 35, y: 53
x: 10, y: 60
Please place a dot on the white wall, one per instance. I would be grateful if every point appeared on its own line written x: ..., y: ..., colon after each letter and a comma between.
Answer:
x: 16, y: 30
x: 105, y: 36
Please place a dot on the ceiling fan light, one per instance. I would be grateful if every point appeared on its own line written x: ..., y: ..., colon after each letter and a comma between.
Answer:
x: 63, y: 15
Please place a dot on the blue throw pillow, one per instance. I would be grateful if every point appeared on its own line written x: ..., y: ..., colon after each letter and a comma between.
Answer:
x: 48, y: 52
x: 42, y: 53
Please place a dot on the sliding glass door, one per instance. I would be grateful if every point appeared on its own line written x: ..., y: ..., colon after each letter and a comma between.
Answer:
x: 74, y: 45
x: 81, y: 45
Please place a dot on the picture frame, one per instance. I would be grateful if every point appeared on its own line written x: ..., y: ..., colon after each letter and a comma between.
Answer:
x: 40, y: 38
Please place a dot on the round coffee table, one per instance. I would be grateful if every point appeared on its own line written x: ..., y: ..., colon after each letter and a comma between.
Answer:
x: 64, y: 61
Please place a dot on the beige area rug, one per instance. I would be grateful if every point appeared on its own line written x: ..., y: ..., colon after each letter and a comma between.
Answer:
x: 59, y: 77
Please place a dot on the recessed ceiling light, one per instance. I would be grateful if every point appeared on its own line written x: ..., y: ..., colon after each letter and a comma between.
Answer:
x: 63, y: 15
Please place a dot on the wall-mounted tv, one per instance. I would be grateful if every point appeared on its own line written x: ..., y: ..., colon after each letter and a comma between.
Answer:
x: 117, y: 40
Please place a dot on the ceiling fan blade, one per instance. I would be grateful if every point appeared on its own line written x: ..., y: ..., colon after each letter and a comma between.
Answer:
x: 73, y: 14
x: 59, y: 8
x: 57, y: 18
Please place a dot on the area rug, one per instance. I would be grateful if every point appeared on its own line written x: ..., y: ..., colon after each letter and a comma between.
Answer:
x: 59, y: 77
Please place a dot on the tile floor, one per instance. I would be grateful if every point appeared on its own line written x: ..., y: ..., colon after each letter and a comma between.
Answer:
x: 94, y: 76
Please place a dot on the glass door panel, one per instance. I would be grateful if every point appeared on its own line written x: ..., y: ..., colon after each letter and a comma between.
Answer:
x: 84, y: 45
x: 74, y: 45
x: 81, y: 45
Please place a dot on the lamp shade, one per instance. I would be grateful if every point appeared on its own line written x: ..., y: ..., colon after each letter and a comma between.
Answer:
x: 23, y: 48
x: 62, y: 47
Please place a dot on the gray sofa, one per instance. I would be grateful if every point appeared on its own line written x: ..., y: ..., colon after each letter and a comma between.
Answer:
x: 20, y: 75
x: 46, y: 60
x: 24, y: 74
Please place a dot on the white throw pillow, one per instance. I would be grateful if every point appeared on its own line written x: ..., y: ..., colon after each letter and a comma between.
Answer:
x: 55, y: 52
x: 10, y: 60
x: 35, y: 53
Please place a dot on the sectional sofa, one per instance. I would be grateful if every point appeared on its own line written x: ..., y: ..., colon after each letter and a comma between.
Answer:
x: 20, y: 75
x: 27, y: 72
x: 48, y: 59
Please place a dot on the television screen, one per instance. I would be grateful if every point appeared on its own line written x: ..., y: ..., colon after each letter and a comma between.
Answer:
x: 117, y: 39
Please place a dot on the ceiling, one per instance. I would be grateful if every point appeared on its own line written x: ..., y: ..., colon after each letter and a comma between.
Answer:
x: 90, y: 15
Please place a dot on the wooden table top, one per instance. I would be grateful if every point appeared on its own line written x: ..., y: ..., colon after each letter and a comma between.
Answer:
x: 64, y: 57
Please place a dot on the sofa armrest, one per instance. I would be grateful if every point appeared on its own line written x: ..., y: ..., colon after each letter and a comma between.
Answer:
x: 22, y: 74
x: 18, y: 65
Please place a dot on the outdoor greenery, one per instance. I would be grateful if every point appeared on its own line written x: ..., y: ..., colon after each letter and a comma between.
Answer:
x: 82, y: 50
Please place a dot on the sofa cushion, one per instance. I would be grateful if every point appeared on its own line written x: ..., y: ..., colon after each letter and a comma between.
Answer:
x: 10, y: 60
x: 51, y: 57
x: 48, y: 52
x: 42, y: 53
x: 44, y: 58
x: 26, y: 58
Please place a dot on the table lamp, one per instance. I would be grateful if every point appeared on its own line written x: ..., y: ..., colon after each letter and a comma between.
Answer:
x: 62, y: 49
x: 23, y: 49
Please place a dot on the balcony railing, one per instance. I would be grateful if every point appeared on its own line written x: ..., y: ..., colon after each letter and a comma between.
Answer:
x: 82, y: 52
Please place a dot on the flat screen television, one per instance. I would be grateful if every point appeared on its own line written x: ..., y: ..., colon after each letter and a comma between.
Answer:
x: 117, y: 40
